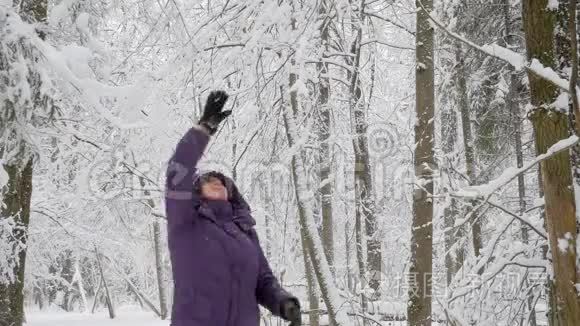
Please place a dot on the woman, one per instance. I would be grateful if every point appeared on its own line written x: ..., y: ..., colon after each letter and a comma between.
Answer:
x: 219, y: 269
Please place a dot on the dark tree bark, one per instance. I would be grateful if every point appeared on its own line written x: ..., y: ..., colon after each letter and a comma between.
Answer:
x: 16, y: 204
x: 16, y: 197
x: 551, y: 126
x: 419, y: 305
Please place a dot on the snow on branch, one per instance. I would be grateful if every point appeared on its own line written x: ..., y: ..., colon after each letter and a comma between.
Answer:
x: 516, y: 60
x: 486, y: 190
x: 15, y: 31
x: 321, y: 267
x: 500, y: 264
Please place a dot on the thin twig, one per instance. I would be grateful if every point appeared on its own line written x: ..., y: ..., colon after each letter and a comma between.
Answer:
x: 390, y: 22
x: 520, y: 218
x: 387, y: 44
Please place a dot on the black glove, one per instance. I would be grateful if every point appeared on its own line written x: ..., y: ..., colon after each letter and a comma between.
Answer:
x: 290, y: 311
x: 212, y: 113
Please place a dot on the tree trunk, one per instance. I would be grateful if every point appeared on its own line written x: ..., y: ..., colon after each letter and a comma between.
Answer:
x: 348, y: 254
x: 359, y: 246
x: 572, y: 32
x: 453, y: 260
x: 513, y: 108
x: 320, y: 265
x: 324, y: 128
x: 268, y: 228
x: 79, y: 280
x: 158, y: 248
x: 159, y: 270
x: 551, y: 126
x: 552, y: 309
x: 468, y: 142
x: 560, y: 211
x: 566, y: 40
x: 140, y: 295
x: 96, y: 298
x: 313, y: 305
x: 365, y: 205
x: 448, y: 122
x: 419, y: 304
x: 313, y: 242
x: 105, y: 287
x: 16, y: 204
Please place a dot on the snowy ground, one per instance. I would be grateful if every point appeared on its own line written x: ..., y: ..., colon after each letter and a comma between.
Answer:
x: 128, y: 316
x: 125, y: 317
x: 133, y: 318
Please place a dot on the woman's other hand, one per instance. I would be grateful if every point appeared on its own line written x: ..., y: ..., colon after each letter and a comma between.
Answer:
x: 290, y: 311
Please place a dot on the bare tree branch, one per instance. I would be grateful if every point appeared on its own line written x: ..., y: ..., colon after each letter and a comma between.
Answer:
x: 370, y: 14
x: 520, y: 218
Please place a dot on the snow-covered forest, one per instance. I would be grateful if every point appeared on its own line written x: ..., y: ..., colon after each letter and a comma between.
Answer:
x: 407, y: 162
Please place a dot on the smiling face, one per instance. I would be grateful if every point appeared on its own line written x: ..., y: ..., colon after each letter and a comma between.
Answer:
x: 214, y: 189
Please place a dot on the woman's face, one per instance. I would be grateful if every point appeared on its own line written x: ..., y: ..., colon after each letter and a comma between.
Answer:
x: 214, y: 189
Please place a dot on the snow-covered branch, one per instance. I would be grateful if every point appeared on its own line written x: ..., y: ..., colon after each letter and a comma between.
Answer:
x: 510, y: 174
x: 516, y: 60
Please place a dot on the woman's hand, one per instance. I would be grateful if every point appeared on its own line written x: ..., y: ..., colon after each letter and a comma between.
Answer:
x: 290, y: 311
x: 212, y: 113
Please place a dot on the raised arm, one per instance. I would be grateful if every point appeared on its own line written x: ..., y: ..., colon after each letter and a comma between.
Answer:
x: 181, y: 172
x: 182, y: 167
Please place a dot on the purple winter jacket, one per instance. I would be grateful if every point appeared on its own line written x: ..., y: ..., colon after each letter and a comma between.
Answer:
x: 220, y: 272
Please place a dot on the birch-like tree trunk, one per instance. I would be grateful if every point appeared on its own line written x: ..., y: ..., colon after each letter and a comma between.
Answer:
x: 551, y: 126
x: 419, y: 304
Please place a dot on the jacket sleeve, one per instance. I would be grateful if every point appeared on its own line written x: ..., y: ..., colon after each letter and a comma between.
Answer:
x: 181, y: 172
x: 268, y: 291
